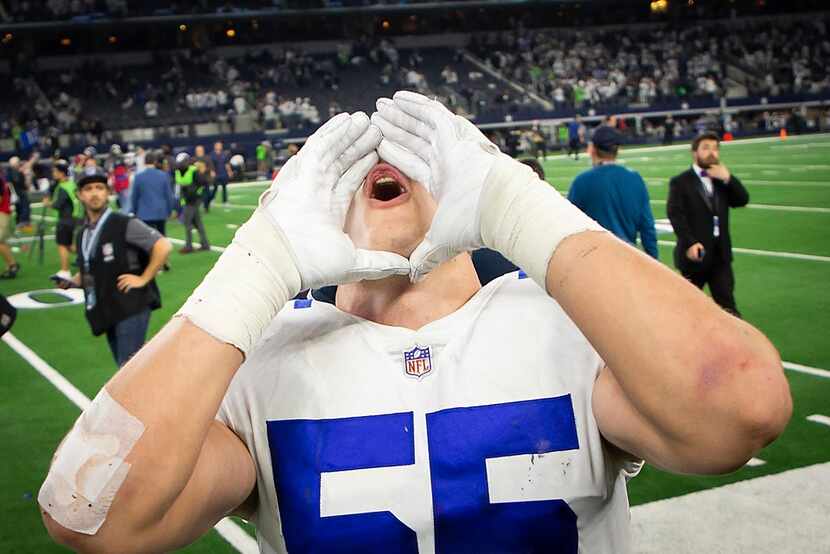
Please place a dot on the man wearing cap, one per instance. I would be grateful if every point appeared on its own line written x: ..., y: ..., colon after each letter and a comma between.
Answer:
x: 698, y: 208
x: 65, y: 201
x: 119, y: 257
x: 615, y: 196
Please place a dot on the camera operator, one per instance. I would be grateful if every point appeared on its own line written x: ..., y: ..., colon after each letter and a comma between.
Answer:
x: 119, y: 257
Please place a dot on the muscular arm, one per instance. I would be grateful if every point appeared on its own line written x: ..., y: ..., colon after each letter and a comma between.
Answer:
x: 688, y: 387
x: 187, y: 470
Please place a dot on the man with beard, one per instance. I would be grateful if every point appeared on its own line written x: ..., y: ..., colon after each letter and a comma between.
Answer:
x: 698, y: 208
x: 421, y: 412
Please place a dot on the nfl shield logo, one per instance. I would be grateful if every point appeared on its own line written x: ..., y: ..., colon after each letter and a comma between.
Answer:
x: 418, y: 361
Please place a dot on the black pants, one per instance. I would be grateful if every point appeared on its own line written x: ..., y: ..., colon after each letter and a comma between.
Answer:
x: 721, y: 282
x: 159, y: 225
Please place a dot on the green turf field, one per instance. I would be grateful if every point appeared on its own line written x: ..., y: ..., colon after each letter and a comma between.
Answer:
x: 786, y: 296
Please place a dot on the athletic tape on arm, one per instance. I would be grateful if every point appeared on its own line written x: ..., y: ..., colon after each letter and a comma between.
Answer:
x: 89, y: 467
x: 525, y: 219
x: 250, y: 283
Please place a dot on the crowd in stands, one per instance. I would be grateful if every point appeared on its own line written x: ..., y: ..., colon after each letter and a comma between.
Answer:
x: 285, y: 87
x: 608, y: 68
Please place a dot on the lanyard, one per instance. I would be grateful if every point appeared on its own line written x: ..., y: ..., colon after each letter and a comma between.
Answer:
x: 88, y: 244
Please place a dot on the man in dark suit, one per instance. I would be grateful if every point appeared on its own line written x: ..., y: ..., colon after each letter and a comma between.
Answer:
x: 698, y: 208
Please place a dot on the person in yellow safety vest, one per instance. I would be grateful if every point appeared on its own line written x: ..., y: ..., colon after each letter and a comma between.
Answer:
x: 191, y: 177
x: 64, y: 199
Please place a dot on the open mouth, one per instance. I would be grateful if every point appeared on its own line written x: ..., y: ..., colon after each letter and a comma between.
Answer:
x: 386, y: 189
x: 385, y: 186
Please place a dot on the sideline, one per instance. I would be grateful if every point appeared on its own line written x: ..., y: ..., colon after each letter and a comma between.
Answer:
x: 783, y: 512
x: 229, y: 530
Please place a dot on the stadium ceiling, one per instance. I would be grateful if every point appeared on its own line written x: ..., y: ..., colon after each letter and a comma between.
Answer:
x: 277, y: 13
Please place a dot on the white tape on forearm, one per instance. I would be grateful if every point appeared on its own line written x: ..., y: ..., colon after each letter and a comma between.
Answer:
x: 525, y: 219
x: 250, y: 283
x: 89, y: 467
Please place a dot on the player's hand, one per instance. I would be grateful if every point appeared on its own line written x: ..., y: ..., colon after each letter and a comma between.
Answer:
x: 309, y: 199
x: 128, y: 281
x: 451, y: 158
x: 718, y: 171
x: 695, y: 252
x: 484, y: 197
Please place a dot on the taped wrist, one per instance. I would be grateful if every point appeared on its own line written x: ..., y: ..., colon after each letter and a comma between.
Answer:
x: 250, y: 283
x: 525, y: 219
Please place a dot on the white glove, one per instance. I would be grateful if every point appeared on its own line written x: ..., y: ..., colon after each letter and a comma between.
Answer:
x: 309, y: 199
x: 295, y: 239
x: 484, y: 197
x: 451, y: 158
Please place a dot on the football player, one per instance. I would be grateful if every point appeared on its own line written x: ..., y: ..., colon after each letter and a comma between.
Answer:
x: 420, y: 412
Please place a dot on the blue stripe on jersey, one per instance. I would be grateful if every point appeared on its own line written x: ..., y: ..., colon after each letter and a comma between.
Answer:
x: 302, y: 303
x: 522, y: 274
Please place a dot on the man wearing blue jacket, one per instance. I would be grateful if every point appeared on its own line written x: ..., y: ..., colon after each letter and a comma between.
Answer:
x: 615, y: 196
x: 152, y: 195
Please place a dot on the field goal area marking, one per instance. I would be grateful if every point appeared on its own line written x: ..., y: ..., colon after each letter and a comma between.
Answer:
x: 226, y: 528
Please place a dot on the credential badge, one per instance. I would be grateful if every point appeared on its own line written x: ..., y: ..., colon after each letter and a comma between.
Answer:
x: 418, y: 361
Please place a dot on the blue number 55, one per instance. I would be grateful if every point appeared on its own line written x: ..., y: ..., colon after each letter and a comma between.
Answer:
x: 460, y: 441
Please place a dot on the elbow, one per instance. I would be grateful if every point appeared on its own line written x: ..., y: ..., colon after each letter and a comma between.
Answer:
x: 767, y: 416
x: 755, y: 411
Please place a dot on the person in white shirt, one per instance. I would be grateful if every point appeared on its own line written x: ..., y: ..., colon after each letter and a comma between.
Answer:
x: 420, y: 412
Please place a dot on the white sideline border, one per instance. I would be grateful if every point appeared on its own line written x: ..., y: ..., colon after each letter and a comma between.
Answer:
x: 226, y: 528
x: 780, y: 512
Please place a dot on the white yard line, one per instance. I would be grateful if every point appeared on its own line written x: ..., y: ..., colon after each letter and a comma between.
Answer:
x: 685, y: 146
x: 248, y: 184
x: 817, y: 418
x: 807, y: 369
x: 219, y: 249
x: 784, y: 512
x: 24, y: 240
x: 229, y: 530
x: 769, y: 253
x: 775, y: 207
x: 755, y: 462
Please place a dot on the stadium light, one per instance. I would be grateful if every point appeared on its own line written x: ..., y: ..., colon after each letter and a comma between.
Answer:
x: 231, y: 33
x: 182, y: 27
x: 112, y: 39
x: 66, y: 41
x: 7, y: 38
x: 659, y: 6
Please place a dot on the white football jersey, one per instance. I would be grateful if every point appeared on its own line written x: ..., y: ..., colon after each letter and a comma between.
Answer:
x: 472, y: 434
